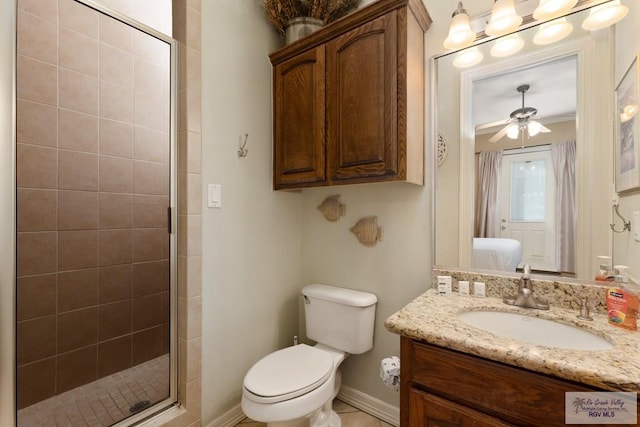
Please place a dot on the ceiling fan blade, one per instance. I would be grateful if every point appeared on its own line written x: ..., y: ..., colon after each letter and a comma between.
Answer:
x: 492, y: 124
x: 544, y: 129
x: 499, y: 135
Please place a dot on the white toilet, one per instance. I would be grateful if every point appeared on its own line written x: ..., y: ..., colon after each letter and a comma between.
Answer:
x: 296, y: 386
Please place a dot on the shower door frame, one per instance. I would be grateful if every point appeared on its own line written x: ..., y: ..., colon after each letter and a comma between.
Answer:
x: 172, y: 212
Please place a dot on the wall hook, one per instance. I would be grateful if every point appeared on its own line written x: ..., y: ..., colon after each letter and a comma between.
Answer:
x: 626, y: 225
x: 242, y: 151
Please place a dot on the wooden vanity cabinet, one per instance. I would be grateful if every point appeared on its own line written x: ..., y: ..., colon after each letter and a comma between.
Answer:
x: 349, y: 100
x: 446, y: 388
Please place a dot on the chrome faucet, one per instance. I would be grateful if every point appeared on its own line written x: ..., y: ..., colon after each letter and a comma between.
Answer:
x: 524, y: 297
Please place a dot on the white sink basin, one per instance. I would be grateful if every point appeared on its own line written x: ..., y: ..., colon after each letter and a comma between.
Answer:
x: 534, y: 330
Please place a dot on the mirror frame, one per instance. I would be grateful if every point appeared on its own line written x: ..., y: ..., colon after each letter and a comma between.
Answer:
x: 594, y: 102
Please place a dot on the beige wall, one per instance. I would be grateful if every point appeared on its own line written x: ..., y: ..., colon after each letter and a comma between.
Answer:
x: 396, y: 269
x: 626, y: 250
x: 251, y: 246
x: 262, y: 247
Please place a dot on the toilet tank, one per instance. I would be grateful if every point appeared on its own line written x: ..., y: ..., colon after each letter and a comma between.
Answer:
x: 340, y: 318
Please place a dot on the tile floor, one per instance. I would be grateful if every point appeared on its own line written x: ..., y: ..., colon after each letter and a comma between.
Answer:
x: 102, y: 402
x: 350, y: 417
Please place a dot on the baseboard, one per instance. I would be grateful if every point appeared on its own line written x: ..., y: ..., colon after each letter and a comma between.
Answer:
x: 229, y: 419
x: 362, y: 401
x: 369, y: 404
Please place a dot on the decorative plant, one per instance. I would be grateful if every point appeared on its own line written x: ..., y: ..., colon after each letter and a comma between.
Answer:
x: 280, y: 12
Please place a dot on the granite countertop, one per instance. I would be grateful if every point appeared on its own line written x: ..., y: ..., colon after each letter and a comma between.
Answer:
x: 433, y: 319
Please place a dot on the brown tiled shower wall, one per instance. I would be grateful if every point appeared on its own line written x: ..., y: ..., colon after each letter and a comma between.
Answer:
x: 92, y: 193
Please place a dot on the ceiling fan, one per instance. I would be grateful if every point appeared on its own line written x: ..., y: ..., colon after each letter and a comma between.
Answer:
x: 521, y: 120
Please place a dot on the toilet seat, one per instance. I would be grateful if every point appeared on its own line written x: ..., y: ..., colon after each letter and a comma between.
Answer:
x: 288, y: 373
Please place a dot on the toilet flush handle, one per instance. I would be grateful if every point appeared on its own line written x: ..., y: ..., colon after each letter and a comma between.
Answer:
x: 306, y: 299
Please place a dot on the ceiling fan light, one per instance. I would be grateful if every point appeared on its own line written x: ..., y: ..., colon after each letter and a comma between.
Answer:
x: 460, y: 33
x: 604, y: 15
x: 533, y: 128
x: 504, y: 18
x: 506, y: 46
x: 513, y: 130
x: 468, y: 58
x: 552, y: 31
x: 550, y: 9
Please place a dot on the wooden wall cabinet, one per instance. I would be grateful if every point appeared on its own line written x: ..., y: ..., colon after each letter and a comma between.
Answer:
x: 446, y: 388
x: 349, y: 100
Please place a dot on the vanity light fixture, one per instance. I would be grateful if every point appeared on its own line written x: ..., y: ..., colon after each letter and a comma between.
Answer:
x: 507, y: 45
x: 460, y: 33
x: 468, y: 58
x: 604, y: 15
x: 504, y: 18
x: 552, y: 31
x: 549, y: 9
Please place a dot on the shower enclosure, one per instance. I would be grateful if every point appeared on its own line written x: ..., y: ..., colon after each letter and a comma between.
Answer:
x: 95, y: 184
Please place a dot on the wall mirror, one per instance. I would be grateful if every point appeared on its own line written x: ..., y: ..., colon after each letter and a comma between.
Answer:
x: 545, y: 112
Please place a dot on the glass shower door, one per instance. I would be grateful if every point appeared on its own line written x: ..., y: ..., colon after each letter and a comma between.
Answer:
x: 95, y: 182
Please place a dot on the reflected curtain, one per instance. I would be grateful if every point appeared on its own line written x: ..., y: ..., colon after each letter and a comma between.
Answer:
x: 563, y: 157
x: 487, y: 209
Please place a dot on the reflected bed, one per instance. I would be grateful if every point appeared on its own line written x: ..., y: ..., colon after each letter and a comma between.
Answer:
x: 496, y: 254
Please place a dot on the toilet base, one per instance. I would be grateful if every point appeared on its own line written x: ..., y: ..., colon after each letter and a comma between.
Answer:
x: 334, y: 420
x: 320, y: 418
x: 326, y: 417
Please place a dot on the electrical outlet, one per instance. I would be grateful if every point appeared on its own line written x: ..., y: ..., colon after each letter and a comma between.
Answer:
x: 479, y: 289
x: 463, y: 287
x: 635, y: 226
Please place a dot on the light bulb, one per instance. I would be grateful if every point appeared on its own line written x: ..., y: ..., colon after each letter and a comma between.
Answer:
x: 468, y: 58
x: 507, y: 45
x: 628, y: 112
x: 550, y: 9
x: 533, y: 128
x: 504, y: 18
x: 513, y: 130
x: 460, y: 33
x: 604, y: 15
x: 553, y: 31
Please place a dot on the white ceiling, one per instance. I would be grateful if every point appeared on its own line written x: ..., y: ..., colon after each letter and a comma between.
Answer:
x: 552, y: 92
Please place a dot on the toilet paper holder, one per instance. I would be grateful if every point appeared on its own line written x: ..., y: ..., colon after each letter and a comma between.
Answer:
x: 390, y: 372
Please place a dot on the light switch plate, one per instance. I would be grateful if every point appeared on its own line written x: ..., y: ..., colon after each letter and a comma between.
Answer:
x: 214, y: 196
x: 635, y: 226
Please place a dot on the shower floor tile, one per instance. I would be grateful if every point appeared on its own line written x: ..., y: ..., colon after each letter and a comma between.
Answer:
x: 102, y: 402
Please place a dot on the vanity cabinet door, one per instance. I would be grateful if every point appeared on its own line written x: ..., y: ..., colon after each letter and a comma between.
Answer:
x: 362, y: 95
x: 431, y: 411
x: 299, y: 110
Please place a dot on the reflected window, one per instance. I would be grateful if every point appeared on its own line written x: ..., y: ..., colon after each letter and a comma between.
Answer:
x: 528, y: 183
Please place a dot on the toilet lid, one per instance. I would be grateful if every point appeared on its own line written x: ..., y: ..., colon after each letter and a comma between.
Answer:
x: 288, y: 373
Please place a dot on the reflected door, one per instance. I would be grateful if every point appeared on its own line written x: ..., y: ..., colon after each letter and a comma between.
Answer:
x: 528, y: 207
